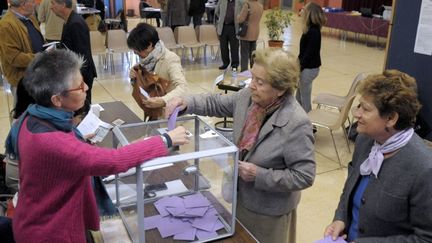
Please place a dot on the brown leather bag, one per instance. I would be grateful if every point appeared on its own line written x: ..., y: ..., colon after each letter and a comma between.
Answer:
x: 154, y: 85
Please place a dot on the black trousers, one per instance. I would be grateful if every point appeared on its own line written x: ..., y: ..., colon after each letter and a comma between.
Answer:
x: 228, y: 37
x: 246, y: 49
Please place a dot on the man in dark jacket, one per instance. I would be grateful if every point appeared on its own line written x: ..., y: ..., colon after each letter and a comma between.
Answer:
x: 76, y: 37
x: 196, y: 11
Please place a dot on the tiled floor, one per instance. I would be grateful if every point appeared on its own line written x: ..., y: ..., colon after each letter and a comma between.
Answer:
x: 342, y: 61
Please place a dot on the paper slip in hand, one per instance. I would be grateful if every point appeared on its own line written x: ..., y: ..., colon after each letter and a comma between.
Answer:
x: 91, y: 123
x: 173, y: 118
x: 143, y: 92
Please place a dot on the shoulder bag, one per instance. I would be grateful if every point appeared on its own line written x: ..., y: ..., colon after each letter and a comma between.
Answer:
x: 154, y: 85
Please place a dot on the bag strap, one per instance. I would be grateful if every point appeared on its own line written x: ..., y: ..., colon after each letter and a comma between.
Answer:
x: 247, y: 17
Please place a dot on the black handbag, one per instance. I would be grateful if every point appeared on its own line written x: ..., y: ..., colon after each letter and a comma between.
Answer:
x: 243, y: 27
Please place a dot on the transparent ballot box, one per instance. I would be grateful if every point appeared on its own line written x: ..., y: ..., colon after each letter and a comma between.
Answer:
x: 187, y: 196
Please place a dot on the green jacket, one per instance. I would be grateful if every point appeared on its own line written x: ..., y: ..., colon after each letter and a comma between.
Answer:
x: 15, y: 47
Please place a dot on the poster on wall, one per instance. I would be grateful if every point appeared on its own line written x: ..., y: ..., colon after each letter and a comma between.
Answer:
x: 423, y: 43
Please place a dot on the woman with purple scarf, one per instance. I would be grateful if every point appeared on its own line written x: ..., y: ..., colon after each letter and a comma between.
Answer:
x: 388, y: 194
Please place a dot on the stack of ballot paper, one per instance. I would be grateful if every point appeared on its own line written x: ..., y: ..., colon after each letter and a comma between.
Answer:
x: 185, y: 218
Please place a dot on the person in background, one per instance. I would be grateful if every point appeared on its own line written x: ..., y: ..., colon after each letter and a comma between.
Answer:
x: 3, y: 6
x: 53, y: 23
x: 177, y: 13
x: 196, y: 11
x: 155, y: 57
x: 163, y: 8
x: 387, y: 195
x: 55, y: 163
x: 76, y: 37
x: 20, y: 40
x: 310, y: 47
x: 252, y: 11
x: 275, y: 141
x: 226, y: 12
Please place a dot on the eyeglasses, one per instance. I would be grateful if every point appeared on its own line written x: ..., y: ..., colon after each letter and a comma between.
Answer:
x: 81, y: 87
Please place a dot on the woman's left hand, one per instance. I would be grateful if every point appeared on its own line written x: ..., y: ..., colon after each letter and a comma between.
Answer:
x: 153, y: 102
x: 247, y: 171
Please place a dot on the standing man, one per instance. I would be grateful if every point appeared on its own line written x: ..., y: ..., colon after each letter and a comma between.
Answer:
x: 53, y: 23
x: 227, y: 27
x: 76, y: 37
x: 20, y: 39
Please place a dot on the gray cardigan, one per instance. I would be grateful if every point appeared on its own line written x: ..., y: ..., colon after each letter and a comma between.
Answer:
x: 220, y: 12
x: 396, y: 206
x: 284, y: 152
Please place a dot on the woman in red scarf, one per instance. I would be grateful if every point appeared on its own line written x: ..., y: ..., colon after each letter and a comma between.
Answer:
x: 274, y: 136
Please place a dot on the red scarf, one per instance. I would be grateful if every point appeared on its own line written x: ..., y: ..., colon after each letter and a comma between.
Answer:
x: 254, y: 121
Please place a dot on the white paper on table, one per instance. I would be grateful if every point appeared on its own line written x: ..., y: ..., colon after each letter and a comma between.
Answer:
x: 218, y: 79
x: 128, y: 191
x: 91, y: 123
x: 143, y: 92
x: 96, y: 109
x: 131, y: 171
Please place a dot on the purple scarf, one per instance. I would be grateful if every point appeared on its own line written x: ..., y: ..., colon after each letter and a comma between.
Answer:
x: 376, y: 156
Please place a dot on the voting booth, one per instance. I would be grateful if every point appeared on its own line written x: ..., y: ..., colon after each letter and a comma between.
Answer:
x: 189, y: 195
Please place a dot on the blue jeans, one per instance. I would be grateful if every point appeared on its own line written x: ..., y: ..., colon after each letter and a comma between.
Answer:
x: 304, y: 91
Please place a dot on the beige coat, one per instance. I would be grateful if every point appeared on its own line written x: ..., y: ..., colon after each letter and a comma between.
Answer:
x: 255, y: 12
x: 53, y: 23
x: 169, y: 67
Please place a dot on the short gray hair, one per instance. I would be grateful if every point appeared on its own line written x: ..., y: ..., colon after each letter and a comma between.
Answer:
x: 16, y: 3
x: 51, y: 73
x: 68, y: 3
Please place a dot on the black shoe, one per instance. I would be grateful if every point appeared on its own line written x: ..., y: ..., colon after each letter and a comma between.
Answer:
x: 223, y: 67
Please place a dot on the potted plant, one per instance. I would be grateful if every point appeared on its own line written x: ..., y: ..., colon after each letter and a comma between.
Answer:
x: 276, y: 21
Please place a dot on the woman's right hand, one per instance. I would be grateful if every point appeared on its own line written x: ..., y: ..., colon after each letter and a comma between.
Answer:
x: 179, y: 136
x: 174, y: 103
x: 133, y: 72
x: 335, y: 230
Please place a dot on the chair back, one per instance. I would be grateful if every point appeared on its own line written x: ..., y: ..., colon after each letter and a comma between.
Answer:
x: 355, y: 83
x: 207, y: 34
x: 117, y: 41
x: 132, y: 23
x: 167, y: 36
x: 97, y: 42
x: 343, y: 115
x: 185, y: 35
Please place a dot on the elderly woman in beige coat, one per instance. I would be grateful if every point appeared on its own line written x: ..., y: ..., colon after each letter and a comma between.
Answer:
x: 274, y: 137
x: 251, y: 12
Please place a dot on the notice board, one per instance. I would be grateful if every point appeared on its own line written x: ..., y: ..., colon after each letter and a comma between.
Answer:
x: 401, y: 56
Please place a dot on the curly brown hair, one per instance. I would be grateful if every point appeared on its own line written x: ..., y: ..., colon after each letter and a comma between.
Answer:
x: 393, y: 91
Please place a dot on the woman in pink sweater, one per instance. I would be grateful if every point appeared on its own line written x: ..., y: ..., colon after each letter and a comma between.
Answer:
x: 56, y: 202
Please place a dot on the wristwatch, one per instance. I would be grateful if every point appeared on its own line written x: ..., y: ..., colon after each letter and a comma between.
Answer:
x: 164, y: 140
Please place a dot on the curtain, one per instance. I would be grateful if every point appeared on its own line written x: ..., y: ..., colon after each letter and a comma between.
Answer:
x: 349, y: 5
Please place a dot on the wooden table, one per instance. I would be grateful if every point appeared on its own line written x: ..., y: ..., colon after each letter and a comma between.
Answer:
x: 113, y: 230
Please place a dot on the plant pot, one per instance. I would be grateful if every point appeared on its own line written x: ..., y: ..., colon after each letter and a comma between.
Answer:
x: 275, y: 43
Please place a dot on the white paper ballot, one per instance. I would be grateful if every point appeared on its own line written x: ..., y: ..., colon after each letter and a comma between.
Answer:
x: 92, y: 124
x: 143, y: 92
